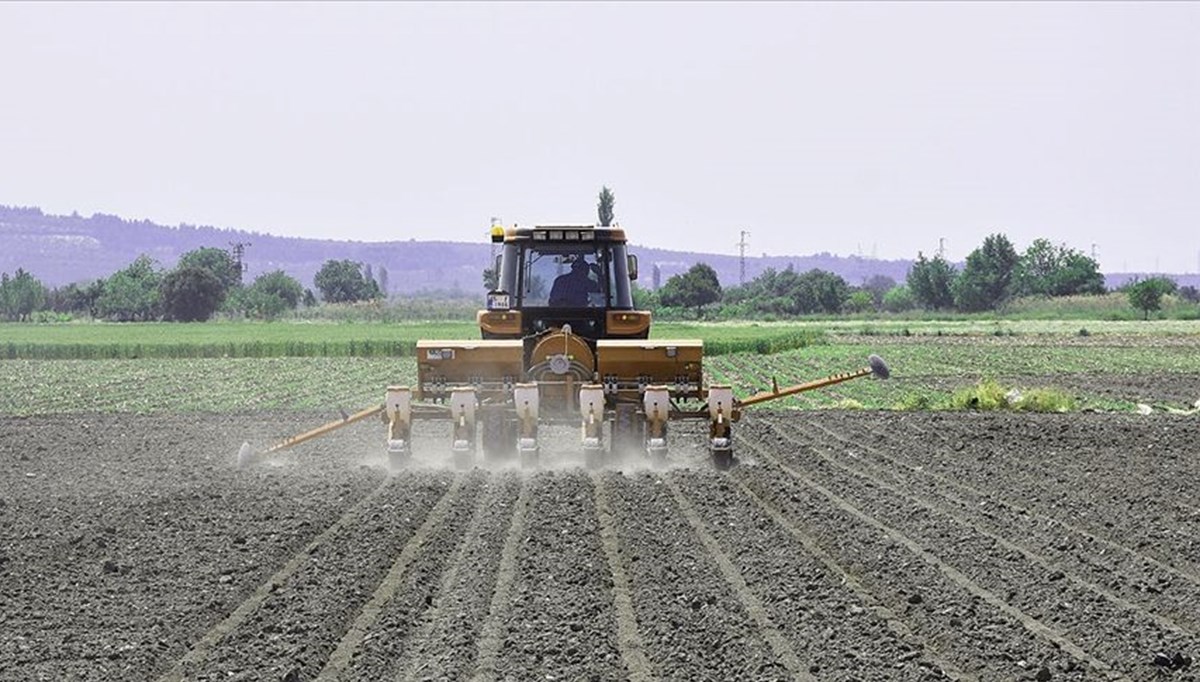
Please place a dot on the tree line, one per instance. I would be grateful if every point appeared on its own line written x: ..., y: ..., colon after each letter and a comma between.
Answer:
x: 209, y: 280
x: 992, y: 275
x: 205, y: 281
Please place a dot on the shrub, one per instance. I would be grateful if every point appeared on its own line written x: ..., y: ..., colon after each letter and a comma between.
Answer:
x: 985, y: 395
x: 990, y: 395
x: 915, y: 401
x: 1045, y: 400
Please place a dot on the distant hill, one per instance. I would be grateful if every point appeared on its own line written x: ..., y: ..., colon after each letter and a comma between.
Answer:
x: 62, y: 249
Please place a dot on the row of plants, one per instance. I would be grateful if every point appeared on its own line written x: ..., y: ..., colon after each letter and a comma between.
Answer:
x: 269, y: 340
x: 1035, y: 372
x: 235, y: 385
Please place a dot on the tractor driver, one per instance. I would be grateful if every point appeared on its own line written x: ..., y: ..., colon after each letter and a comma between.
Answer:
x: 571, y: 289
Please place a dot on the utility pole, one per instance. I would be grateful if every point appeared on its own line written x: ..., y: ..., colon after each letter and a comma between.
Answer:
x: 1093, y: 250
x: 942, y: 247
x: 742, y: 244
x: 239, y: 250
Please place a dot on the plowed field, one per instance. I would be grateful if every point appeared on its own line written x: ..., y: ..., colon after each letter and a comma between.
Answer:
x: 845, y: 546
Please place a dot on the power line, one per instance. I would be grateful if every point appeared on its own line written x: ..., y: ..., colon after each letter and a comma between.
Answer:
x: 742, y: 244
x: 239, y: 250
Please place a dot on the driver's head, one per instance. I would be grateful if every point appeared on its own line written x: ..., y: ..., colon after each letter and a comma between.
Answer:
x: 578, y: 264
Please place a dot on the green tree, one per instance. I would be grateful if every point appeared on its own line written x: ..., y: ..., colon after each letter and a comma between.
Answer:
x: 76, y: 298
x: 931, y: 282
x: 604, y: 209
x: 785, y: 292
x: 191, y: 294
x: 1147, y: 294
x: 899, y: 299
x: 216, y: 261
x: 643, y: 298
x: 269, y: 296
x: 695, y: 288
x: 1048, y: 270
x: 133, y: 293
x: 342, y: 281
x: 878, y: 286
x: 859, y: 301
x: 279, y: 284
x: 21, y: 295
x: 820, y: 291
x: 491, y: 278
x: 773, y: 292
x: 986, y: 279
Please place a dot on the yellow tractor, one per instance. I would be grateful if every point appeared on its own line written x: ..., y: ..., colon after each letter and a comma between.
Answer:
x: 562, y: 344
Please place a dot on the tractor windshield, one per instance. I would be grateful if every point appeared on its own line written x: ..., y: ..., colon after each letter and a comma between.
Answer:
x: 567, y: 275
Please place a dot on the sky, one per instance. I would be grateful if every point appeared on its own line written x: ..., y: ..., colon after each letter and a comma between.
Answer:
x: 849, y: 128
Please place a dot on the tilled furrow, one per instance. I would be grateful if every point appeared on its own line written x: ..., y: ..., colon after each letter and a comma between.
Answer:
x: 691, y: 621
x: 377, y: 643
x: 443, y: 645
x: 1125, y: 496
x: 629, y: 638
x: 1049, y: 450
x: 1123, y: 635
x: 824, y: 612
x: 784, y: 651
x: 301, y: 618
x: 977, y: 629
x: 1122, y: 576
x: 555, y: 618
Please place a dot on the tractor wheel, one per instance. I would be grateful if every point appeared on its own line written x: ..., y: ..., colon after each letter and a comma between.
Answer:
x: 498, y: 434
x: 628, y: 431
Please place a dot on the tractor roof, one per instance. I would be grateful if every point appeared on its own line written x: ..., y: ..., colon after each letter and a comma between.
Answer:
x: 558, y: 233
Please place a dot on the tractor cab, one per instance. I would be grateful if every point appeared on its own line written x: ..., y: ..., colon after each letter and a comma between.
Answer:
x: 551, y: 276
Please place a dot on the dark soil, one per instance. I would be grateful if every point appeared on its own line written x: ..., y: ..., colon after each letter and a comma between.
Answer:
x: 845, y: 546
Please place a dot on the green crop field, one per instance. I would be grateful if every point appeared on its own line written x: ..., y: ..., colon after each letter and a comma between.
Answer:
x: 929, y: 360
x: 86, y: 341
x: 926, y: 369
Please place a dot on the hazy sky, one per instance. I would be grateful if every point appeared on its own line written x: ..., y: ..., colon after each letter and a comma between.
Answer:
x: 848, y: 128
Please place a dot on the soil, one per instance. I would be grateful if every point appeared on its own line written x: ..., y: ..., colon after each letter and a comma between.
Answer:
x: 844, y: 546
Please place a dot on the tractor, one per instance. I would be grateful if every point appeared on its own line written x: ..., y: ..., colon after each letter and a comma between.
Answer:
x: 562, y: 343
